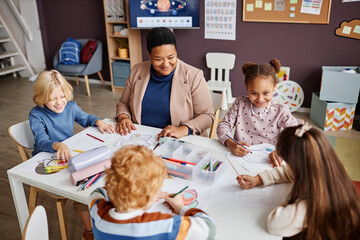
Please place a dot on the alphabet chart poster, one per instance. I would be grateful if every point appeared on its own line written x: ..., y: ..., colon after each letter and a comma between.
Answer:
x: 220, y: 19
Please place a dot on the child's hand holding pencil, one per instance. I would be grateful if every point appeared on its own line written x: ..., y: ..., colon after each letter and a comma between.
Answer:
x: 248, y: 182
x: 237, y: 148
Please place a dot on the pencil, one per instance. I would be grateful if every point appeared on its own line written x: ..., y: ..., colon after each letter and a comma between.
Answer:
x: 79, y: 151
x: 233, y: 166
x: 235, y: 169
x: 179, y: 161
x: 92, y: 180
x: 238, y: 142
x: 178, y: 193
x: 95, y: 137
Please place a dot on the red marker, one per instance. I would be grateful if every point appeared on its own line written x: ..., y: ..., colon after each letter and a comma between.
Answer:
x: 95, y: 137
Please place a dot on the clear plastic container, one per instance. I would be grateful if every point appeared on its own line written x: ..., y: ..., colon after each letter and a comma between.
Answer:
x: 192, y: 160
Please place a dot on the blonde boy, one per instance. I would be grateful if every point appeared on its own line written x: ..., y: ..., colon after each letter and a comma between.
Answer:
x: 133, y: 184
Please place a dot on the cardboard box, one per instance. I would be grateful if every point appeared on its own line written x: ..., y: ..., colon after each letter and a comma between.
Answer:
x: 338, y: 86
x: 331, y: 116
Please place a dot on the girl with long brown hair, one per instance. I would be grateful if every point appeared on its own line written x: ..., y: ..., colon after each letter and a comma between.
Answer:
x: 323, y: 202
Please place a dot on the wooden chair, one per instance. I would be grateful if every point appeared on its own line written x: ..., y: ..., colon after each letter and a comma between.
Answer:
x: 217, y: 99
x: 220, y: 65
x: 36, y: 227
x: 23, y: 137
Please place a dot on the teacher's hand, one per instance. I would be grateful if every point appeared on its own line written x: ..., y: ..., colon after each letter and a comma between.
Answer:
x: 172, y: 131
x: 124, y: 125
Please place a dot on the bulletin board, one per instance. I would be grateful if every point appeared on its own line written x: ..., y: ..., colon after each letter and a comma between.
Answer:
x: 287, y: 11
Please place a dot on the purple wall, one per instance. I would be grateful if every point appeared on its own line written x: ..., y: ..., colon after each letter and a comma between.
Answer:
x: 302, y: 47
x: 60, y: 19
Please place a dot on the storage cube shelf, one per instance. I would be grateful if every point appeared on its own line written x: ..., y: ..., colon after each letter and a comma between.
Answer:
x: 331, y: 116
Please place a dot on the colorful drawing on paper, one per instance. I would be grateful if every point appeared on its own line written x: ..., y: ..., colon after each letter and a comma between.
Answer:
x: 289, y: 93
x: 189, y: 197
x: 284, y: 74
x: 50, y: 166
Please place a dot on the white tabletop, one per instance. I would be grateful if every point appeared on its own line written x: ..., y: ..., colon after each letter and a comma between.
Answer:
x: 236, y: 212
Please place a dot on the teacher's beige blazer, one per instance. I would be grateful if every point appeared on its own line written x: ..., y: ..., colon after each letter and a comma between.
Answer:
x: 190, y: 99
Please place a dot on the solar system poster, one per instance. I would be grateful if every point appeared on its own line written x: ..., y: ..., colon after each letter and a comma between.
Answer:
x: 164, y: 13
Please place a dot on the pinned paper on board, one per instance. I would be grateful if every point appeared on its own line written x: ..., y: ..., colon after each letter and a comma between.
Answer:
x: 258, y: 4
x: 311, y: 6
x: 279, y: 5
x: 268, y: 7
x: 250, y: 7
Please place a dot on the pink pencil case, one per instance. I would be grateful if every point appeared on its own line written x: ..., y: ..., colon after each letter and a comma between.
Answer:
x: 89, y: 171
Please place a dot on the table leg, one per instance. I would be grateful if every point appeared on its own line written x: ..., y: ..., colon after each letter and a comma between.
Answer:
x: 18, y: 193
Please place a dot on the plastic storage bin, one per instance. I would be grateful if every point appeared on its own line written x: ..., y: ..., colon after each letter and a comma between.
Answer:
x: 187, y: 161
x: 121, y: 71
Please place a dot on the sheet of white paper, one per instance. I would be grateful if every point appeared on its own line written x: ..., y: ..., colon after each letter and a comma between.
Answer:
x: 137, y: 137
x: 257, y: 160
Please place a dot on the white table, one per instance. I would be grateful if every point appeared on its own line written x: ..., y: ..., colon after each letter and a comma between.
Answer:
x: 237, y: 213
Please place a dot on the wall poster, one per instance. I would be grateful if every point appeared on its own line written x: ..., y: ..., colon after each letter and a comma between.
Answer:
x: 220, y: 19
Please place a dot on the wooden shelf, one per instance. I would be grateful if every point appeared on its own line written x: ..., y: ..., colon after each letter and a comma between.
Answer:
x: 133, y: 40
x: 118, y: 58
x: 111, y: 22
x: 118, y: 36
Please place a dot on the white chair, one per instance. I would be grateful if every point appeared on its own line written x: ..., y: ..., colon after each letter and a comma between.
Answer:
x: 217, y: 99
x: 36, y: 227
x: 220, y: 65
x: 23, y: 137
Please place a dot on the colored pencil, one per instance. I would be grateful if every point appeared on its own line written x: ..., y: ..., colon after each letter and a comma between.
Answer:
x: 92, y: 180
x: 179, y: 192
x: 95, y: 137
x: 235, y: 169
x: 238, y: 142
x: 79, y: 151
x: 179, y: 161
x: 174, y: 195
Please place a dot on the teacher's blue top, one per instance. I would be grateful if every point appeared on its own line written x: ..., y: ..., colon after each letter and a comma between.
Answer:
x: 49, y: 127
x: 155, y: 108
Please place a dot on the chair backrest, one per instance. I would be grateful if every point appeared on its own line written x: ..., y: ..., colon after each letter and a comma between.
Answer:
x: 22, y: 135
x: 217, y: 99
x: 220, y: 62
x: 93, y: 66
x: 36, y: 227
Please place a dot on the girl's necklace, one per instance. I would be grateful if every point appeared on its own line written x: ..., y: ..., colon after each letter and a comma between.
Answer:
x: 256, y: 115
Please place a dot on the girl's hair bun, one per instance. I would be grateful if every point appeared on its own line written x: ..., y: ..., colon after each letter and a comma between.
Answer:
x: 275, y: 64
x: 247, y: 66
